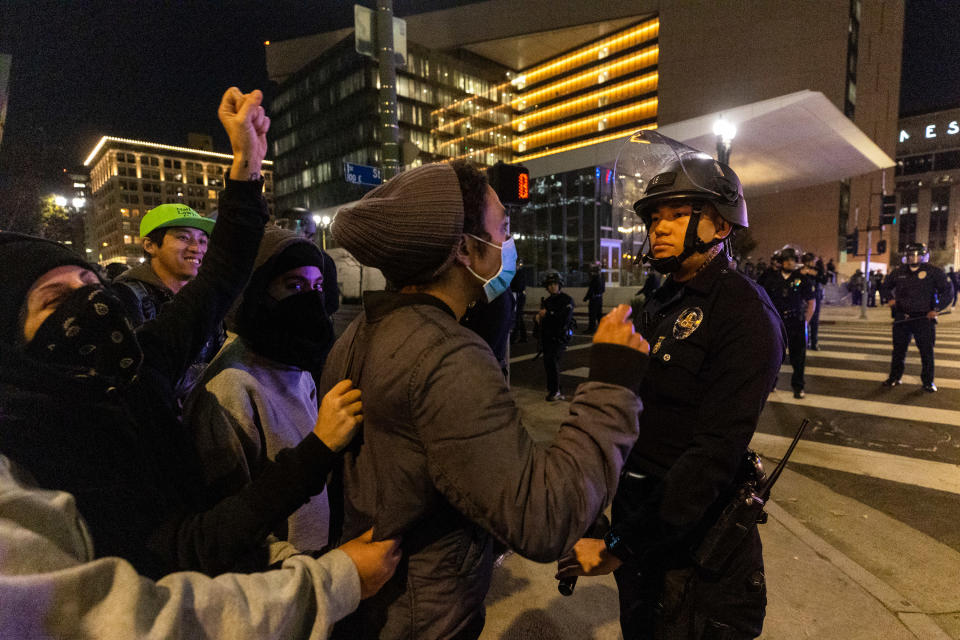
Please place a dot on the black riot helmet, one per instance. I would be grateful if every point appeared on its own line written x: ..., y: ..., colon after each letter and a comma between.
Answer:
x: 789, y: 252
x: 652, y: 169
x: 917, y: 250
x: 808, y: 257
x: 552, y: 277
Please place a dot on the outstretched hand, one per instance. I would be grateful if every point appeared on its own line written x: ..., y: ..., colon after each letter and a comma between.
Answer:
x: 246, y: 124
x: 375, y: 561
x: 589, y: 557
x: 341, y: 412
x: 616, y: 328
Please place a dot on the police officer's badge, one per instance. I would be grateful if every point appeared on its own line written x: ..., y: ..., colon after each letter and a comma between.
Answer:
x: 687, y: 322
x: 921, y: 274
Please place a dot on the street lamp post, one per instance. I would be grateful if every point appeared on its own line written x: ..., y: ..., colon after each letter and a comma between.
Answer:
x: 323, y: 222
x: 725, y: 131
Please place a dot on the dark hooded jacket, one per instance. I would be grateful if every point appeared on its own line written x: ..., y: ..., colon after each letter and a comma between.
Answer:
x: 124, y: 454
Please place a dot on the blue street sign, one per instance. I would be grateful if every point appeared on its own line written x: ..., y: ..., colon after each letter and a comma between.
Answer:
x: 361, y: 174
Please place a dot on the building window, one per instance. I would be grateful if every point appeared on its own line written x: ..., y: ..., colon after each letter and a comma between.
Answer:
x: 908, y: 218
x: 939, y: 216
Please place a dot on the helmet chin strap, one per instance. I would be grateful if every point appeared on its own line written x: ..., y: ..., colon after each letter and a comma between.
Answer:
x: 691, y: 244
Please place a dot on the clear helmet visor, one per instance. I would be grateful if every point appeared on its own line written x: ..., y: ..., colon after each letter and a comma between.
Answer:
x: 651, y: 167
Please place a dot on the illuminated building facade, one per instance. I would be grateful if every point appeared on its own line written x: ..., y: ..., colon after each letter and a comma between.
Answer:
x: 571, y: 84
x: 928, y: 183
x: 130, y: 177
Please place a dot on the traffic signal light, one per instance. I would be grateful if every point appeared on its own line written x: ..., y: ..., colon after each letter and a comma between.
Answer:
x: 888, y: 213
x: 881, y: 246
x: 853, y: 240
x: 511, y: 182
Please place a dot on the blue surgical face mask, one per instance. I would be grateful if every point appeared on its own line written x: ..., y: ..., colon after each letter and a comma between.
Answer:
x: 500, y: 281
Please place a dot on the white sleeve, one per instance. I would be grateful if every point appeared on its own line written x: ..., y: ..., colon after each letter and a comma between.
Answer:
x: 51, y: 587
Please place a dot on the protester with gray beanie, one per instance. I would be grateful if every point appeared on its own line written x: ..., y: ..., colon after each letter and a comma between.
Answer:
x: 444, y: 461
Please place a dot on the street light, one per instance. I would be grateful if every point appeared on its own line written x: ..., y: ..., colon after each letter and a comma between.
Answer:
x: 60, y: 201
x: 78, y: 203
x: 725, y: 131
x: 323, y: 222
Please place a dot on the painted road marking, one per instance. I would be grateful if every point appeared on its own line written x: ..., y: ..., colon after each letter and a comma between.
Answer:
x: 530, y: 356
x: 871, y: 357
x: 930, y: 474
x: 870, y: 407
x: 879, y: 344
x: 873, y: 376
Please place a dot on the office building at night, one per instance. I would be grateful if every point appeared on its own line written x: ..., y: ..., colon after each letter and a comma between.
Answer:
x: 561, y: 98
x: 130, y: 177
x: 928, y: 181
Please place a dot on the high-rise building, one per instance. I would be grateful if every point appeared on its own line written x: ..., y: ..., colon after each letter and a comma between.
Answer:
x: 928, y: 181
x: 494, y: 87
x: 130, y: 177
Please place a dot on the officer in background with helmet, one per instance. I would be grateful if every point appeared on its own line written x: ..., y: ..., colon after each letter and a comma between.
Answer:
x: 717, y: 345
x: 916, y: 291
x: 555, y: 323
x: 794, y: 296
x: 813, y: 269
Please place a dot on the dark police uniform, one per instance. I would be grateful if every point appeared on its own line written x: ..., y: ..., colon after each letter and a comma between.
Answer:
x: 716, y: 346
x: 819, y: 280
x: 790, y: 295
x: 555, y: 328
x: 916, y: 293
x: 594, y: 300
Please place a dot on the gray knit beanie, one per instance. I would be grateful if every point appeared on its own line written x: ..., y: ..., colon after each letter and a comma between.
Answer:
x: 408, y: 227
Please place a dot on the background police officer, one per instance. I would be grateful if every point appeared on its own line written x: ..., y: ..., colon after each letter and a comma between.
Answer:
x: 717, y: 347
x: 555, y: 321
x: 813, y: 269
x: 794, y: 296
x: 916, y: 292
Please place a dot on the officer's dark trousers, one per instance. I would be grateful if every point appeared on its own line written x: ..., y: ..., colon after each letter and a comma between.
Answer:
x: 924, y: 331
x: 595, y: 308
x: 685, y: 603
x: 813, y: 329
x: 797, y: 347
x: 551, y: 364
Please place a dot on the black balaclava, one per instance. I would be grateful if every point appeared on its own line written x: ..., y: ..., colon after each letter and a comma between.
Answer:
x: 295, y: 330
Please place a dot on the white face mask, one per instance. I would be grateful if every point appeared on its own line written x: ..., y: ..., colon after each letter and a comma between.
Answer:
x: 499, y: 282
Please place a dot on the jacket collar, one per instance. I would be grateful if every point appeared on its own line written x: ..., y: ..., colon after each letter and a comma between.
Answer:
x: 379, y: 304
x: 144, y: 273
x: 706, y: 278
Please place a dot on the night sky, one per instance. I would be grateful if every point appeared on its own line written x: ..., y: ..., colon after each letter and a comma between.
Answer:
x: 156, y: 71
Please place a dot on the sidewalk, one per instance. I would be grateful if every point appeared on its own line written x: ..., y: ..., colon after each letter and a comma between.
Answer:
x: 836, y: 569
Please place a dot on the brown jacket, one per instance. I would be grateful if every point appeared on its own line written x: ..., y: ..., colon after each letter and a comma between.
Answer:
x: 444, y: 462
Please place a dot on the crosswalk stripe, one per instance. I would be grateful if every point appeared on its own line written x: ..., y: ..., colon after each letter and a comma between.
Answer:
x: 870, y: 408
x: 885, y: 339
x: 530, y: 356
x: 872, y: 376
x: 886, y: 466
x: 938, y: 349
x: 871, y: 357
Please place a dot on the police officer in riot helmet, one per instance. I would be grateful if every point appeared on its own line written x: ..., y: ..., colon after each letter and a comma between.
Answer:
x: 794, y: 295
x: 717, y: 346
x: 916, y: 291
x: 813, y: 269
x: 554, y: 321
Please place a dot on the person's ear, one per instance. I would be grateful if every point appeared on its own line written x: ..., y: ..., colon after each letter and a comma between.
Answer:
x: 463, y: 251
x: 723, y: 228
x: 149, y: 246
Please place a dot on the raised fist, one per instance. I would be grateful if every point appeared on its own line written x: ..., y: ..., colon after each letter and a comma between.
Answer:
x: 246, y: 124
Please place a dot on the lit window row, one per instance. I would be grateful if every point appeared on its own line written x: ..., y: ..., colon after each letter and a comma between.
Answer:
x: 598, y: 75
x: 601, y: 122
x: 597, y: 51
x: 577, y: 145
x: 593, y: 100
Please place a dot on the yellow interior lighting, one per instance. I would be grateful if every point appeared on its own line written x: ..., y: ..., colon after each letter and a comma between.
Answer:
x: 641, y: 59
x: 161, y: 147
x: 568, y: 129
x: 642, y: 84
x: 646, y: 31
x: 578, y: 145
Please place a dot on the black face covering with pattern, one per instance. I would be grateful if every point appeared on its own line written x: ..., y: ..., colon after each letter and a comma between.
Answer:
x: 89, y: 336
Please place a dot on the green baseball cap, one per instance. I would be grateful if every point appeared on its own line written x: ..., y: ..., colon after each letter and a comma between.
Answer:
x: 174, y: 214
